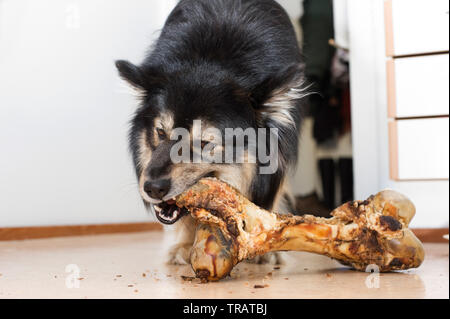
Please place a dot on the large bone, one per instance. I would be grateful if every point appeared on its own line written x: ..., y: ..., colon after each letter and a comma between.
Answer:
x: 361, y: 233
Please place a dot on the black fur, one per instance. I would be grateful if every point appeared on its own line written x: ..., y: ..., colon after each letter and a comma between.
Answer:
x: 221, y: 60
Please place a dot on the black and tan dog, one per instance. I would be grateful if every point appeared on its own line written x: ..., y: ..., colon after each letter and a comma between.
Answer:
x: 228, y: 64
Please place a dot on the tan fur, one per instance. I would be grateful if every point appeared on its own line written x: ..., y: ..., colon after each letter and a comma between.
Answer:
x: 163, y: 122
x: 279, y: 106
x: 145, y: 153
x: 145, y: 156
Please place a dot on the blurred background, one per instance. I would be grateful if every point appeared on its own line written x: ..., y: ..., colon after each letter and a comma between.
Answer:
x: 380, y: 119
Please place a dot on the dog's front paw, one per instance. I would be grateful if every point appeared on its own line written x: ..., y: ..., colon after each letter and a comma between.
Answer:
x: 267, y: 259
x: 180, y: 254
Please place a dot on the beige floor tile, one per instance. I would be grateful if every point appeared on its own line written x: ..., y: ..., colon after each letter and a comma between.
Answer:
x: 132, y: 266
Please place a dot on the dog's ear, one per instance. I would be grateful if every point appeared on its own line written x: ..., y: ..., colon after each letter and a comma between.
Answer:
x: 276, y: 97
x: 145, y: 79
x: 131, y: 73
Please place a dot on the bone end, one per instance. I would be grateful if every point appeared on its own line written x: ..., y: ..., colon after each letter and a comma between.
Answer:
x: 212, y: 256
x: 396, y: 205
x: 407, y: 252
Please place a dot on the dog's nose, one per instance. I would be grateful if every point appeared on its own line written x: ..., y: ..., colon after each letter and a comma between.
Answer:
x: 157, y: 189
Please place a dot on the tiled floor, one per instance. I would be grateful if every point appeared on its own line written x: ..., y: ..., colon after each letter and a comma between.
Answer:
x: 132, y: 266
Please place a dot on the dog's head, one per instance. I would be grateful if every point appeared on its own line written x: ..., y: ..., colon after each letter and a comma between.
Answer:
x: 176, y: 102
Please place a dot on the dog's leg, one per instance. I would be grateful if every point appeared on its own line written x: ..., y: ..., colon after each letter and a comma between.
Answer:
x: 179, y: 254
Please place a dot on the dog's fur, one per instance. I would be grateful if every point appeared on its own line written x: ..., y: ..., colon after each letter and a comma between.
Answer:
x: 229, y: 63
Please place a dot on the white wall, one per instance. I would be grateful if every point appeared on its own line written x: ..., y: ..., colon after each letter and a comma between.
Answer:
x: 295, y: 10
x: 63, y: 111
x: 293, y: 7
x: 370, y: 119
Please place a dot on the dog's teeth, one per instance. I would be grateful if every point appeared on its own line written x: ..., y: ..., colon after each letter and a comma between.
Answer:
x: 174, y: 216
x: 157, y: 209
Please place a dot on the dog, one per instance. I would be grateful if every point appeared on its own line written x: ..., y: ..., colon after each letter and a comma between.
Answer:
x: 228, y: 64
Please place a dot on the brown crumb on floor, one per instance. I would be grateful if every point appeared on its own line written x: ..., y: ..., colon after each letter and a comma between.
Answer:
x: 306, y: 269
x: 276, y: 268
x: 168, y: 276
x: 144, y: 275
x: 286, y: 278
x: 329, y: 276
x: 260, y: 286
x: 80, y: 279
x: 136, y: 291
x: 270, y: 274
x: 119, y: 276
x: 187, y: 278
x: 130, y: 286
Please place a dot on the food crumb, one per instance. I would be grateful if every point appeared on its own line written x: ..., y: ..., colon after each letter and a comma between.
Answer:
x: 329, y: 275
x: 286, y: 278
x: 276, y: 268
x: 187, y: 278
x: 80, y: 279
x: 136, y: 291
x: 144, y: 275
x: 261, y: 286
x: 130, y: 286
x: 119, y: 276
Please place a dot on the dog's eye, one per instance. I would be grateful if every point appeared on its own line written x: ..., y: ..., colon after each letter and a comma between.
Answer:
x: 161, y: 133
